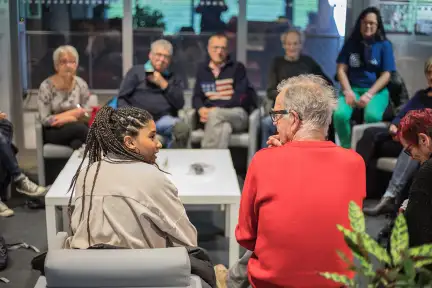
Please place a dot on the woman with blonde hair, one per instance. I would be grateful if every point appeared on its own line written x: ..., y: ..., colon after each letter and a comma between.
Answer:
x: 62, y: 101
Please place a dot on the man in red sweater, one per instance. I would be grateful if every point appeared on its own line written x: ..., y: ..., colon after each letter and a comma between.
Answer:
x: 296, y: 192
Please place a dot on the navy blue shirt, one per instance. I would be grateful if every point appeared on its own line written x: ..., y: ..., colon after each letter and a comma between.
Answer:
x: 419, y: 101
x: 366, y: 61
x: 137, y: 91
x: 228, y: 90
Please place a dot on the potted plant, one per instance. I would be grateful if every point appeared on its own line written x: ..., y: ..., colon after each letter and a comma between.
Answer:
x: 402, y: 267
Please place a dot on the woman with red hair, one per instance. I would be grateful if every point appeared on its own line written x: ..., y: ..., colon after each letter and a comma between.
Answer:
x: 415, y: 134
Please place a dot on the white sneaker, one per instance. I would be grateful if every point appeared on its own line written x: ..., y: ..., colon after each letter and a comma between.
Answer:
x: 5, y: 211
x: 25, y: 186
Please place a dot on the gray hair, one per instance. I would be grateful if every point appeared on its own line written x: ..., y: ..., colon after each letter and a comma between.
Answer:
x: 165, y: 44
x: 292, y: 30
x: 312, y: 98
x: 427, y: 65
x: 64, y: 49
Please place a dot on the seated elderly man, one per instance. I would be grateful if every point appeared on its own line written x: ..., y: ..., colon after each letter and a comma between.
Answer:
x: 222, y: 95
x: 300, y: 181
x: 154, y: 88
x: 293, y: 63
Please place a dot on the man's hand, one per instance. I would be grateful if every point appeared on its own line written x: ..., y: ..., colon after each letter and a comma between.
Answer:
x: 350, y: 98
x: 274, y: 141
x: 61, y: 120
x: 203, y: 113
x: 158, y: 79
x: 3, y: 115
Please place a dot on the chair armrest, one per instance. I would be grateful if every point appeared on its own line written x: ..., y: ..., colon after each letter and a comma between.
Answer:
x: 254, y: 122
x: 358, y: 131
x: 59, y: 240
x: 190, y: 118
x: 40, y: 151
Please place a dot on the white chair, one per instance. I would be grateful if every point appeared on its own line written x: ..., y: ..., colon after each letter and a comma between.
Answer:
x: 117, y: 268
x: 47, y: 151
x: 247, y: 139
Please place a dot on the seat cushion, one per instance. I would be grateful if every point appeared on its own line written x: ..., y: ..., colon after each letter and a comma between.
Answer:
x: 236, y: 140
x: 117, y: 268
x: 56, y: 151
x: 386, y: 164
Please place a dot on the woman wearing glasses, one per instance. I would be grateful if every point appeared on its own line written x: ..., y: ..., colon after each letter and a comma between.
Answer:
x: 289, y: 186
x: 405, y: 167
x: 62, y: 100
x: 363, y: 70
x: 415, y: 134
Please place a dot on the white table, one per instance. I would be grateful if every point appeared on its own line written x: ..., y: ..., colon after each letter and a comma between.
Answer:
x: 217, y: 187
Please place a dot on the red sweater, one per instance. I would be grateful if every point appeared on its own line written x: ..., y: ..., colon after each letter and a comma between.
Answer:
x: 292, y: 199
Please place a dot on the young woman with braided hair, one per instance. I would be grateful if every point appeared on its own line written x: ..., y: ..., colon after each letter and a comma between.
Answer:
x: 122, y: 198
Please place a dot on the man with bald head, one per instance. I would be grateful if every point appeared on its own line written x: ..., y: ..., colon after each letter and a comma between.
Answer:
x: 221, y: 95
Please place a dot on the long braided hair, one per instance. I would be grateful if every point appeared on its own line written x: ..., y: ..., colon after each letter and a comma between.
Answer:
x: 106, y: 136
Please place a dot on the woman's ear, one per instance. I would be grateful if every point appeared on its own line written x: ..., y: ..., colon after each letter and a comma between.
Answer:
x: 424, y: 140
x: 129, y: 142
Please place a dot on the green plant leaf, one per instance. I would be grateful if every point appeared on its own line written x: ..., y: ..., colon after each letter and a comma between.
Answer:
x: 375, y: 249
x: 423, y: 262
x: 366, y: 267
x: 338, y: 278
x: 421, y: 251
x: 356, y: 218
x: 399, y: 239
x: 409, y: 269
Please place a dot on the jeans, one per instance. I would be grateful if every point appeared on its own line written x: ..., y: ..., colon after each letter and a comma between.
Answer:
x: 403, y: 172
x: 7, y: 155
x: 164, y: 127
x: 267, y: 130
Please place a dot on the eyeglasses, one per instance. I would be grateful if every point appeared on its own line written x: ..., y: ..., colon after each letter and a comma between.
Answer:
x: 369, y: 23
x: 275, y: 115
x: 164, y: 56
x: 216, y: 48
x: 66, y: 62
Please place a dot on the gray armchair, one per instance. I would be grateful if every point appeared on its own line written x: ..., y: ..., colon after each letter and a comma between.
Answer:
x: 247, y: 140
x: 384, y: 163
x: 117, y: 268
x: 47, y: 151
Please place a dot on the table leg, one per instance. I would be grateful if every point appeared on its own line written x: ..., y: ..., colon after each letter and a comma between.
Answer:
x: 51, y: 224
x: 227, y: 221
x: 234, y: 248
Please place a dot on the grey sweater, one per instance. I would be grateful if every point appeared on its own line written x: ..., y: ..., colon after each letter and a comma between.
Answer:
x: 134, y: 205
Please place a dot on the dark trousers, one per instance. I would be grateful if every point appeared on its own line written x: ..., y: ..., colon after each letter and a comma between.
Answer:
x: 72, y: 134
x: 376, y: 143
x: 7, y: 153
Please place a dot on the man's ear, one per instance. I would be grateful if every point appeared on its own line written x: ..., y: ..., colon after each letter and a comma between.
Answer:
x: 129, y: 142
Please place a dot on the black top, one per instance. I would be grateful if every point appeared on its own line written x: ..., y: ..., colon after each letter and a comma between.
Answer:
x: 419, y: 210
x: 282, y: 69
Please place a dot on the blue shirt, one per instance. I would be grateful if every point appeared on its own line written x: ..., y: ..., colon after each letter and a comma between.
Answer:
x: 366, y: 61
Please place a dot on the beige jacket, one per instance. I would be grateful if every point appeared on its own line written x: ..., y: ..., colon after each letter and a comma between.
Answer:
x: 134, y: 205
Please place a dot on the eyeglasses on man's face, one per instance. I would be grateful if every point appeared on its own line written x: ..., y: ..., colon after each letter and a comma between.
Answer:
x: 276, y: 115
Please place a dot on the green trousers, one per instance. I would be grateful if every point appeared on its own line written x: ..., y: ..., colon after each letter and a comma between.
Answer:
x: 373, y: 112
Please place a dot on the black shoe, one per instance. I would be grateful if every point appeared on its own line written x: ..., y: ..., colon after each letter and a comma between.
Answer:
x: 386, y: 205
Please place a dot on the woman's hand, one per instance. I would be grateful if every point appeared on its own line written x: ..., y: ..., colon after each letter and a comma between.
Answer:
x: 274, y: 141
x: 364, y: 99
x: 60, y: 120
x: 350, y: 98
